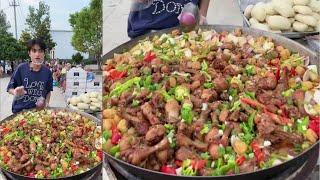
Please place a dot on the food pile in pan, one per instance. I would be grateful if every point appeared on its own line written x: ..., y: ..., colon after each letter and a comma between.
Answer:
x: 49, y: 144
x: 207, y: 104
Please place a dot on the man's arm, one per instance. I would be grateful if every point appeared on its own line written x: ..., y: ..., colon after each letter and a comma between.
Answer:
x: 48, y: 98
x: 204, y: 4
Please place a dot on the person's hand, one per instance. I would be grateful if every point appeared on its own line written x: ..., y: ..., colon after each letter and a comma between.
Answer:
x: 41, y: 103
x: 203, y: 20
x: 19, y: 91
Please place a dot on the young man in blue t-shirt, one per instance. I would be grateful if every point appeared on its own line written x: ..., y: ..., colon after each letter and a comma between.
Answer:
x: 160, y: 15
x: 31, y: 83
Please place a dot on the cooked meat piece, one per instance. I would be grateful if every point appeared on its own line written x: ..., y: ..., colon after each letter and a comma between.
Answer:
x: 228, y: 45
x: 125, y: 143
x: 165, y: 69
x: 172, y: 109
x: 220, y: 84
x: 197, y: 102
x: 180, y: 80
x: 236, y: 127
x: 172, y: 81
x: 243, y: 116
x: 155, y: 134
x: 266, y: 125
x: 224, y: 96
x: 184, y: 153
x: 143, y: 94
x: 156, y: 77
x: 24, y: 158
x: 247, y: 166
x: 183, y: 140
x: 220, y: 64
x: 157, y: 101
x: 231, y: 70
x: 211, y: 56
x: 223, y: 115
x: 140, y: 125
x: 196, y: 65
x: 298, y: 97
x: 208, y: 95
x: 289, y: 137
x: 293, y: 112
x: 214, y: 151
x: 39, y: 167
x: 33, y: 147
x: 205, y: 171
x: 213, y: 136
x: 195, y: 84
x: 163, y: 156
x: 250, y: 86
x: 185, y: 129
x: 264, y: 97
x: 225, y: 137
x: 156, y: 61
x: 21, y: 148
x: 142, y: 153
x: 268, y: 83
x: 77, y: 132
x: 191, y: 71
x: 147, y: 112
x: 234, y: 116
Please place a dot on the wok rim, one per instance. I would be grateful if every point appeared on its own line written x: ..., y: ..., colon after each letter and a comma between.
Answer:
x: 89, y: 116
x: 277, y: 37
x: 223, y: 176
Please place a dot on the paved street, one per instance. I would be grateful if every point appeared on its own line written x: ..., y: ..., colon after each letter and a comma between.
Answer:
x: 115, y: 15
x: 57, y: 99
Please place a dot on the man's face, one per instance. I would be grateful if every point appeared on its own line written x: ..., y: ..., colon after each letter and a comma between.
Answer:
x: 36, y: 55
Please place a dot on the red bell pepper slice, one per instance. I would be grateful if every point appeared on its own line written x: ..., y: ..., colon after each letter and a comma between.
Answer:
x: 45, y: 173
x: 314, y: 124
x: 258, y: 153
x: 149, y: 56
x: 116, y: 135
x: 5, y: 130
x: 74, y: 167
x: 278, y: 73
x: 168, y: 169
x: 113, y: 74
x: 31, y: 175
x: 178, y: 163
x: 274, y: 62
x: 198, y: 164
x: 293, y: 71
x: 6, y: 159
x: 252, y: 102
x: 100, y: 154
x: 279, y: 119
x: 22, y: 122
x: 240, y: 160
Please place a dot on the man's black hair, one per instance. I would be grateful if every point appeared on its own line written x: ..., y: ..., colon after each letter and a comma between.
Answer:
x: 38, y: 42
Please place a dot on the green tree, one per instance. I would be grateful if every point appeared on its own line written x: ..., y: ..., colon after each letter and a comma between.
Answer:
x: 4, y: 24
x: 9, y: 47
x: 77, y: 58
x: 38, y: 24
x: 87, y: 29
x: 24, y: 38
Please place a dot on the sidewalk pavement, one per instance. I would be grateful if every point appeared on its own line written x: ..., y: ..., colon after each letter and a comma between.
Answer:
x: 115, y: 15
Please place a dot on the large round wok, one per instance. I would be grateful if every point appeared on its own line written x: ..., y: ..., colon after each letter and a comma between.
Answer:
x: 83, y: 175
x: 260, y: 174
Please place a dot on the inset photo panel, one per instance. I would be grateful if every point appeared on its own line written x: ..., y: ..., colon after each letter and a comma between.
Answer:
x: 51, y: 89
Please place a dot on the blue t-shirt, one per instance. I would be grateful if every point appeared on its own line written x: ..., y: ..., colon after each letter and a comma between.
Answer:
x: 160, y: 15
x: 36, y: 83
